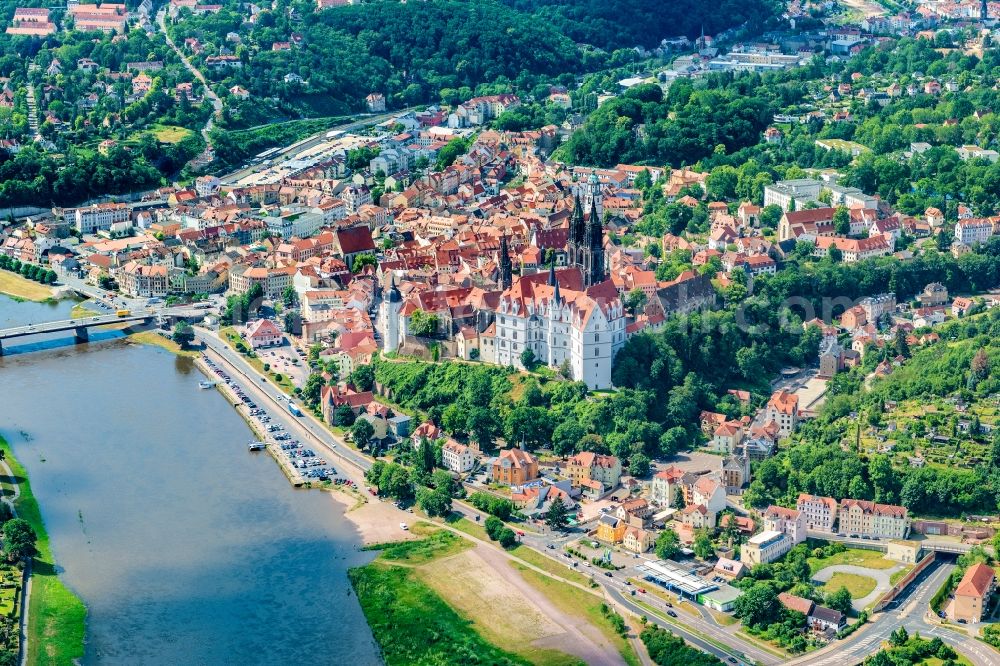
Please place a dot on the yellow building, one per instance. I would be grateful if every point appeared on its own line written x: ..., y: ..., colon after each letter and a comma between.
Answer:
x: 611, y: 529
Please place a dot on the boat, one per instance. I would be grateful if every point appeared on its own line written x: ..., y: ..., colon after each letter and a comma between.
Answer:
x: 206, y: 384
x: 256, y: 446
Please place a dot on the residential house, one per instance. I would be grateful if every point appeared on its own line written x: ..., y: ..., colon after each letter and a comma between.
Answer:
x: 592, y: 466
x: 611, y: 528
x: 457, y: 457
x: 783, y: 409
x: 514, y: 467
x: 638, y: 540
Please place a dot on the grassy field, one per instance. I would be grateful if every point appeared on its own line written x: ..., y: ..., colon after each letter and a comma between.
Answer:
x: 171, y: 133
x: 80, y: 310
x: 548, y: 564
x: 871, y: 559
x: 57, y: 616
x: 858, y: 586
x: 155, y: 339
x: 19, y: 287
x: 411, y: 622
x: 586, y: 606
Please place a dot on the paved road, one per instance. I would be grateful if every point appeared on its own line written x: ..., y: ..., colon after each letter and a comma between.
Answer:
x: 161, y: 20
x: 270, y: 397
x: 910, y: 611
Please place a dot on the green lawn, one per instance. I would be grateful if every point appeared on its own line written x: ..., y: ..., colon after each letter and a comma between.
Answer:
x: 898, y: 575
x: 57, y: 616
x: 439, y: 543
x: 554, y: 567
x: 858, y: 586
x: 872, y: 559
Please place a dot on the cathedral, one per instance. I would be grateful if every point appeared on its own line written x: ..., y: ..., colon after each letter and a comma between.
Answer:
x: 585, y: 249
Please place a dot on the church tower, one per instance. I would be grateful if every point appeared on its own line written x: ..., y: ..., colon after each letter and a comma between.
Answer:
x: 577, y: 233
x: 591, y: 259
x: 506, y: 269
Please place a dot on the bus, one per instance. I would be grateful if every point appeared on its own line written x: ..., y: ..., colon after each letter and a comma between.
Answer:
x: 123, y: 313
x: 294, y: 409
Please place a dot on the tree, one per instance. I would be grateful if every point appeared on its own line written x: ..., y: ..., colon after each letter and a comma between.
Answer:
x: 528, y: 358
x: 313, y: 389
x: 361, y: 432
x: 289, y: 297
x: 423, y: 324
x: 703, y: 547
x: 565, y: 437
x: 840, y: 600
x: 507, y: 538
x: 426, y: 451
x: 343, y: 416
x: 363, y: 377
x: 395, y: 481
x: 899, y: 637
x: 557, y: 516
x: 183, y: 334
x: 19, y: 539
x: 362, y: 260
x: 434, y: 502
x: 638, y: 465
x: 842, y: 221
x: 635, y: 301
x: 668, y: 545
x: 493, y: 526
x: 758, y: 606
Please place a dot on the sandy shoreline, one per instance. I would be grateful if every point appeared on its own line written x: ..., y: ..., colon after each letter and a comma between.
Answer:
x: 376, y: 521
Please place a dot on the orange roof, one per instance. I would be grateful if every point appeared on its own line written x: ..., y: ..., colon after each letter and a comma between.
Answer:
x: 976, y: 582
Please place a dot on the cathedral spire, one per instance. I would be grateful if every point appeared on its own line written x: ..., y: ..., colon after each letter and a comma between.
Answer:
x: 506, y: 270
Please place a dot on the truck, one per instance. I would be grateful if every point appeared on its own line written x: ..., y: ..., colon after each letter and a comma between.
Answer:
x: 294, y: 409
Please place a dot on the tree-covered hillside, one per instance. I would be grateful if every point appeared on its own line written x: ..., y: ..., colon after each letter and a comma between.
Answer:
x: 613, y: 24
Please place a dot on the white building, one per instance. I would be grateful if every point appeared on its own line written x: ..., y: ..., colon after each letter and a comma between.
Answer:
x: 974, y: 230
x: 789, y: 522
x: 263, y: 333
x: 765, y: 547
x: 785, y: 193
x: 457, y: 457
x: 581, y: 328
x: 820, y: 513
x: 99, y: 217
x: 391, y: 325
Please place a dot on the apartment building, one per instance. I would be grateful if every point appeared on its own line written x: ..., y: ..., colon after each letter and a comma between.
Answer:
x: 819, y: 513
x: 790, y: 522
x: 864, y: 518
x: 973, y: 230
x: 783, y: 409
x: 98, y: 217
x: 141, y: 281
x: 457, y: 457
x: 588, y: 466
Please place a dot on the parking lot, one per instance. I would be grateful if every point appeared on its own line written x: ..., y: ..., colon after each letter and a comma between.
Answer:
x: 287, y: 360
x: 292, y: 452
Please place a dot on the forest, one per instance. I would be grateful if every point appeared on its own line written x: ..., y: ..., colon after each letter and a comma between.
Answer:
x: 417, y: 53
x: 615, y: 24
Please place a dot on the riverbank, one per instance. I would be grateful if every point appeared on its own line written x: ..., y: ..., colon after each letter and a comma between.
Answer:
x: 56, y: 618
x: 17, y: 287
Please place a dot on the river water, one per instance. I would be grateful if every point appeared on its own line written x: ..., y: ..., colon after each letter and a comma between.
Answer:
x: 186, y: 548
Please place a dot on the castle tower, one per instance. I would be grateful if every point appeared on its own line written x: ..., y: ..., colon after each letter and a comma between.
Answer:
x: 389, y: 317
x: 594, y: 198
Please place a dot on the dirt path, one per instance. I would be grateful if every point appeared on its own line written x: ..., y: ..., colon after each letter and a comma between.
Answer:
x: 579, y: 639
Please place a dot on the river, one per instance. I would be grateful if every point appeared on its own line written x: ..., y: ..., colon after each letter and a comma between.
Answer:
x: 185, y: 547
